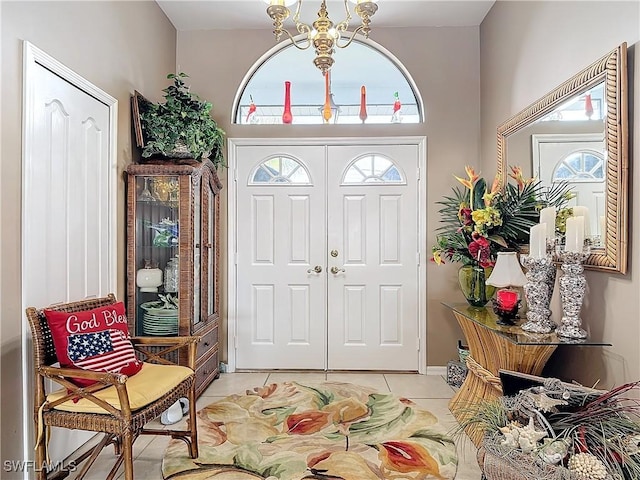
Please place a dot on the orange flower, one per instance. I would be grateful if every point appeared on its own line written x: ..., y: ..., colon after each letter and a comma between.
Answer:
x: 263, y: 392
x: 307, y: 423
x: 473, y: 177
x: 495, y: 189
x: 406, y: 457
x: 516, y: 174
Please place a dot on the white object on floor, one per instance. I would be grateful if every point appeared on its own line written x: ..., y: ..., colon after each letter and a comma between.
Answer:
x: 184, y: 404
x: 172, y: 415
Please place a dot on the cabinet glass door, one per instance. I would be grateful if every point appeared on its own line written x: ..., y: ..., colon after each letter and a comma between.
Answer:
x: 209, y: 257
x: 156, y: 254
x: 197, y: 255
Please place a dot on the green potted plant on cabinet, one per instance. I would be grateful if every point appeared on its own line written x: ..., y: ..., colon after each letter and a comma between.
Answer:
x: 181, y: 127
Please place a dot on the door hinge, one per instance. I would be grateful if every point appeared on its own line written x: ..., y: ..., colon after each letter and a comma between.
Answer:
x: 418, y: 344
x: 418, y: 173
x: 235, y: 342
x: 235, y: 258
x: 418, y: 258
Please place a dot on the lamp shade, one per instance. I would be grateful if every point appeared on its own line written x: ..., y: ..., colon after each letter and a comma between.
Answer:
x: 507, y: 272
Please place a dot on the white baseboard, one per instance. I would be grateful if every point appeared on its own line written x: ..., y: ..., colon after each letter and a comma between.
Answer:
x: 435, y: 370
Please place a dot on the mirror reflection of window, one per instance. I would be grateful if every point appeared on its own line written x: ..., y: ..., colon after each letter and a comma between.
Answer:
x: 579, y: 166
x: 262, y: 96
x: 590, y: 105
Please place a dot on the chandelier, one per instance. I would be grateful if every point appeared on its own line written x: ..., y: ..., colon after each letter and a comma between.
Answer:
x: 322, y: 33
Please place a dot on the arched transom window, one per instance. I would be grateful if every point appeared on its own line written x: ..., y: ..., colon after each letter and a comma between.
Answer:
x: 367, y: 85
x: 280, y: 170
x: 372, y: 169
x: 581, y: 165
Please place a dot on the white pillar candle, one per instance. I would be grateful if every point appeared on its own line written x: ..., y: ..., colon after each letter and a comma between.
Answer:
x: 548, y: 216
x: 580, y: 211
x: 538, y: 241
x: 575, y: 234
x: 602, y: 227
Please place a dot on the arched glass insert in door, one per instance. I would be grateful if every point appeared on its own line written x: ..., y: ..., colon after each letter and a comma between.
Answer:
x: 582, y: 165
x: 377, y: 169
x: 260, y: 98
x: 280, y: 170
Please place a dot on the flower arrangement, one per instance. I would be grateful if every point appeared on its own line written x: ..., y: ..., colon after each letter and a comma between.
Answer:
x: 480, y: 221
x: 594, y: 435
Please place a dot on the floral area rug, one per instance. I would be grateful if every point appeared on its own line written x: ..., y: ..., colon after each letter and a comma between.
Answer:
x: 291, y: 431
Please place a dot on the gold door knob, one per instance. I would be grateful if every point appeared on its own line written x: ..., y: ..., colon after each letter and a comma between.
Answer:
x: 316, y: 269
x: 336, y: 270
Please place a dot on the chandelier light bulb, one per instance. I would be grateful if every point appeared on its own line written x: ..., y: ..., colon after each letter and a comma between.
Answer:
x: 284, y: 3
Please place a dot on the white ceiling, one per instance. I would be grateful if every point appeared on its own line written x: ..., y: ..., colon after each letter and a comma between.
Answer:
x: 251, y: 14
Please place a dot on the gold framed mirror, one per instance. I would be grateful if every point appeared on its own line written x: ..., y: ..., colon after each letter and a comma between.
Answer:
x: 578, y: 132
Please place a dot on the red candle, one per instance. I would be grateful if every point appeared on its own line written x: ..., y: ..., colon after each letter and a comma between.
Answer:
x: 507, y: 299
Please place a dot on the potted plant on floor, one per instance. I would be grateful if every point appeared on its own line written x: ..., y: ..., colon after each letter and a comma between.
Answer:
x: 181, y: 127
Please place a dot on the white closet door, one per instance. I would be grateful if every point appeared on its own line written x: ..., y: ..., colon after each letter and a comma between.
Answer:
x: 281, y: 239
x: 68, y: 205
x: 373, y: 231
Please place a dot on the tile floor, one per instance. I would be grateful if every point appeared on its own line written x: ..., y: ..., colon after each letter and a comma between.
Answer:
x: 430, y: 392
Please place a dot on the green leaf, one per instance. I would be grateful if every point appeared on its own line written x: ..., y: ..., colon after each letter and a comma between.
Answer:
x: 386, y: 413
x: 479, y: 189
x: 281, y: 413
x: 323, y: 397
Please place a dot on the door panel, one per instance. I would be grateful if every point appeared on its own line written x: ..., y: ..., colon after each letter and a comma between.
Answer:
x: 373, y: 296
x: 281, y: 302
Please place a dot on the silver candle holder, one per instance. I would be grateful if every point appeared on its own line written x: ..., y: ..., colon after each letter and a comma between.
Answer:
x: 573, y: 286
x: 538, y: 291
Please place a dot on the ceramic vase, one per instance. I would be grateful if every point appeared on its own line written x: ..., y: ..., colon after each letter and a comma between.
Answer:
x: 363, y: 104
x: 287, y: 117
x: 149, y: 279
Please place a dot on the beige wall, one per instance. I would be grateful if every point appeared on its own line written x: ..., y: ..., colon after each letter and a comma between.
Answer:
x: 444, y: 64
x: 526, y: 50
x: 118, y: 46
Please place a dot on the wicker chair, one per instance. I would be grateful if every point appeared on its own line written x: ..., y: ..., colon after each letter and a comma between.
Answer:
x: 110, y: 406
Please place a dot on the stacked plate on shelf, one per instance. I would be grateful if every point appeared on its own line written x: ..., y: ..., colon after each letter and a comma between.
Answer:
x: 159, y: 321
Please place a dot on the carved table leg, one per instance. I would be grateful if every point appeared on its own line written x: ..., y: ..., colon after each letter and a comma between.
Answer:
x: 488, y: 353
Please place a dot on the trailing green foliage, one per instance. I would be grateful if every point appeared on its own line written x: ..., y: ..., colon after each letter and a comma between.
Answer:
x: 183, y: 119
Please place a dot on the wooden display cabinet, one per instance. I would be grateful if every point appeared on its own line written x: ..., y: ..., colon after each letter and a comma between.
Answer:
x: 172, y: 255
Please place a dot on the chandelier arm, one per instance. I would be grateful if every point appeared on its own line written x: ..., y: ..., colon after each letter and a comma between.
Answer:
x: 344, y: 24
x: 295, y: 44
x: 353, y: 35
x: 304, y: 28
x: 296, y: 17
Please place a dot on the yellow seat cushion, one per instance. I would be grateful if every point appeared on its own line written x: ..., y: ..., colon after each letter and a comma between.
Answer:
x: 145, y: 387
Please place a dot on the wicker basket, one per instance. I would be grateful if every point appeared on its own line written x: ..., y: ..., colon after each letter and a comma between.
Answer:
x: 501, y: 463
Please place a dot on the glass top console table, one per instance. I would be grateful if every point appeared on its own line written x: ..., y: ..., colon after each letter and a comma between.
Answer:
x: 494, y: 347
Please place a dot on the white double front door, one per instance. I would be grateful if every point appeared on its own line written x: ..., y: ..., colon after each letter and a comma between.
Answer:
x: 327, y: 252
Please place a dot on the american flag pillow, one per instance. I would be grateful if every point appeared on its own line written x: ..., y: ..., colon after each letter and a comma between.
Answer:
x: 95, y: 339
x: 106, y: 351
